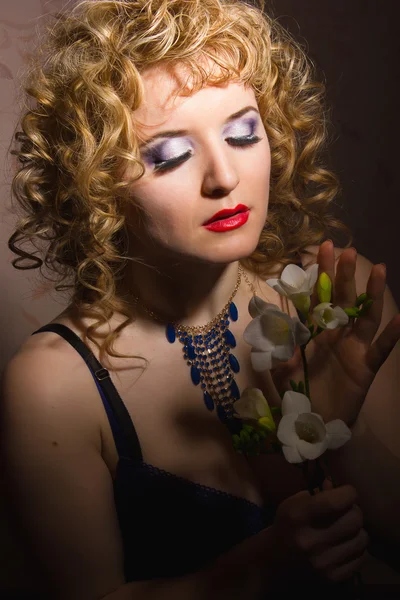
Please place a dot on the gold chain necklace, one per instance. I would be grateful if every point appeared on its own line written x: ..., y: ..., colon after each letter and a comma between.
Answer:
x: 201, y: 328
x: 207, y: 351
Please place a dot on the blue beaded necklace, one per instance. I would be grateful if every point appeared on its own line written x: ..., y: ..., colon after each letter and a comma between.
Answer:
x: 207, y: 351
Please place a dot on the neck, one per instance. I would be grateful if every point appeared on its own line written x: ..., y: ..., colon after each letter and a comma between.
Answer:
x: 189, y: 294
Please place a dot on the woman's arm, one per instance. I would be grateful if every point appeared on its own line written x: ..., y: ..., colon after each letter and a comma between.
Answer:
x: 371, y: 459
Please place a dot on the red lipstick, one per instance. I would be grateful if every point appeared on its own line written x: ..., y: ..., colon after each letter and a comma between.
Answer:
x: 222, y: 218
x: 229, y: 223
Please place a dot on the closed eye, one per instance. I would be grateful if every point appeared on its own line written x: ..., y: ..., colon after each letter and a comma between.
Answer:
x: 248, y: 140
x: 166, y: 165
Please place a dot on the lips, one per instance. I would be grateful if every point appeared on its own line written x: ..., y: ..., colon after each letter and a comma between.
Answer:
x: 227, y: 212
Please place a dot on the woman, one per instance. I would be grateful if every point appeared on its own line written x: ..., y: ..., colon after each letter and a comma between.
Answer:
x: 150, y: 118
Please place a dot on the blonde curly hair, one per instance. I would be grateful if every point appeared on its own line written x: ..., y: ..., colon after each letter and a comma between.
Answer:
x: 78, y: 137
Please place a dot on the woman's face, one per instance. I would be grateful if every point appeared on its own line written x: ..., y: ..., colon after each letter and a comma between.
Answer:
x: 211, y: 153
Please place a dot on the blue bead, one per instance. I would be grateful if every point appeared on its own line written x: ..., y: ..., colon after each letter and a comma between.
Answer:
x: 235, y: 390
x: 170, y: 331
x: 233, y: 311
x: 208, y: 401
x: 191, y: 352
x: 195, y: 375
x: 233, y: 361
x: 230, y: 338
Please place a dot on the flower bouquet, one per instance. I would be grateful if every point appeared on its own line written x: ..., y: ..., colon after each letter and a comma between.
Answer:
x: 292, y: 429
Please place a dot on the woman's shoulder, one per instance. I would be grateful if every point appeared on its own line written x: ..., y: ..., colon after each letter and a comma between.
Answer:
x: 47, y: 372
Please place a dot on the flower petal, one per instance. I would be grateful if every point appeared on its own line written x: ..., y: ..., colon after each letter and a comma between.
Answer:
x: 301, y: 332
x: 283, y: 352
x: 276, y: 285
x: 302, y: 301
x: 293, y: 276
x: 341, y: 316
x: 249, y: 404
x: 276, y: 328
x: 291, y: 454
x: 261, y: 361
x: 312, y: 275
x: 286, y: 432
x: 294, y: 402
x: 257, y: 306
x: 318, y: 417
x: 252, y: 404
x: 322, y: 306
x: 254, y: 335
x: 311, y: 451
x: 337, y: 433
x: 312, y: 421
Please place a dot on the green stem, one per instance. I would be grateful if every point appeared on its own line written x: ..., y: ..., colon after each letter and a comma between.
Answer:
x: 305, y: 369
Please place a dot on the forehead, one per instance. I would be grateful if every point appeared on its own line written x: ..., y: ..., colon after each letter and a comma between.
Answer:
x: 163, y: 106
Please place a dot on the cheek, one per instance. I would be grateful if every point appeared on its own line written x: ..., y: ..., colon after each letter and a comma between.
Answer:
x: 258, y: 170
x: 164, y: 210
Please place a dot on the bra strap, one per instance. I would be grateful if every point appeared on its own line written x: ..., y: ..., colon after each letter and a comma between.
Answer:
x: 102, y: 377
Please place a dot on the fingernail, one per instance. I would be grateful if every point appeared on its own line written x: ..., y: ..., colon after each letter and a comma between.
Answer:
x: 383, y: 265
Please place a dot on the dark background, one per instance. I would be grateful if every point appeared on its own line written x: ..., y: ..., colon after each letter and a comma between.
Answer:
x: 356, y: 46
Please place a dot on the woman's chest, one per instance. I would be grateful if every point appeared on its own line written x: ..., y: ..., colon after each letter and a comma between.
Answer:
x: 178, y: 430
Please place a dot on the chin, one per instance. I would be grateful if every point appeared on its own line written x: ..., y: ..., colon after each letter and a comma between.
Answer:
x: 232, y: 249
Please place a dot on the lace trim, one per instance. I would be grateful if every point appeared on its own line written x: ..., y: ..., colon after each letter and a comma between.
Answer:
x: 194, y: 484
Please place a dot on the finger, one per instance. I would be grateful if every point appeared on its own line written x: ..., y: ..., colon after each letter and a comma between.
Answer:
x: 345, y: 527
x: 327, y: 484
x: 344, y: 572
x: 331, y: 503
x: 345, y: 283
x: 326, y: 264
x: 342, y: 556
x: 383, y: 345
x: 367, y: 325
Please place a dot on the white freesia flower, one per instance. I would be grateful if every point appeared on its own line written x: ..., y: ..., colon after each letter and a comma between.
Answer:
x: 272, y: 334
x: 328, y: 317
x: 254, y: 406
x: 303, y: 434
x: 297, y: 285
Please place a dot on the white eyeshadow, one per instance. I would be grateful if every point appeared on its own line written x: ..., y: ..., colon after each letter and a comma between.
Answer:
x: 173, y: 148
x: 240, y: 128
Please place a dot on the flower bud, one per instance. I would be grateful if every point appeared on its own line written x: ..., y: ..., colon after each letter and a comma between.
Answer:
x: 267, y: 423
x: 324, y: 288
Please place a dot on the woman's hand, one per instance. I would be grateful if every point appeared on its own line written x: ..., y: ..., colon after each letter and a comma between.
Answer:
x: 342, y: 363
x: 319, y: 538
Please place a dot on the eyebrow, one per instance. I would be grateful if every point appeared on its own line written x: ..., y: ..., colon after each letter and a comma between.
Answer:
x: 181, y: 132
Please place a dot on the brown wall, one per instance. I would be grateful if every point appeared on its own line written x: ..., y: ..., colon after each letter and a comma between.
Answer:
x: 356, y: 44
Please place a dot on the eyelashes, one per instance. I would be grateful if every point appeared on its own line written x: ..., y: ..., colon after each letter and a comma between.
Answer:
x: 165, y: 165
x: 174, y: 152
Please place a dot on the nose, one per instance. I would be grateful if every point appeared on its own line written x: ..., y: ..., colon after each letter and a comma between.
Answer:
x: 221, y: 173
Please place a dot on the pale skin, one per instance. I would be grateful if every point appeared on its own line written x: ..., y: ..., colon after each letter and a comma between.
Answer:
x: 57, y: 422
